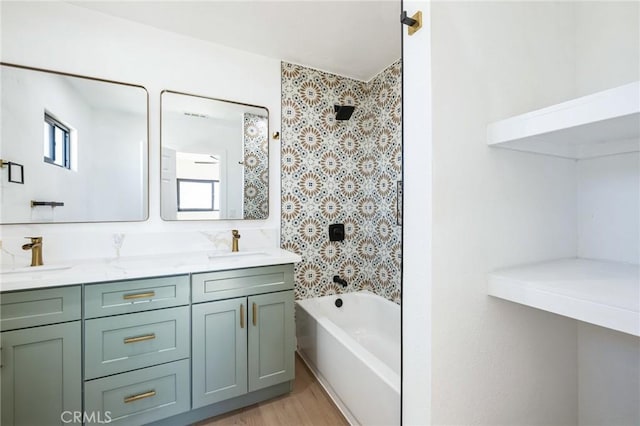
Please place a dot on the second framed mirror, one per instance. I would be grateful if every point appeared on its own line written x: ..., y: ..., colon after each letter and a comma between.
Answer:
x: 215, y: 159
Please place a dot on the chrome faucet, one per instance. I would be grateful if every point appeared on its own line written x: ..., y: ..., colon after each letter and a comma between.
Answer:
x: 234, y: 241
x: 36, y: 250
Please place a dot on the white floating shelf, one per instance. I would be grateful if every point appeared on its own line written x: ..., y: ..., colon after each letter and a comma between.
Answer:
x: 602, y: 293
x: 604, y: 123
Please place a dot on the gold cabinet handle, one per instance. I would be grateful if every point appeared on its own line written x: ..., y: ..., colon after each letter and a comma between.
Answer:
x: 146, y: 295
x: 255, y: 315
x: 139, y: 396
x: 241, y: 315
x: 139, y: 338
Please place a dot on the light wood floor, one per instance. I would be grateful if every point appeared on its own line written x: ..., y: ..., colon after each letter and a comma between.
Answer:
x: 307, y: 405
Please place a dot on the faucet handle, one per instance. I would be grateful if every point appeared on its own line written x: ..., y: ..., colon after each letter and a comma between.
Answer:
x: 35, y: 239
x: 235, y: 233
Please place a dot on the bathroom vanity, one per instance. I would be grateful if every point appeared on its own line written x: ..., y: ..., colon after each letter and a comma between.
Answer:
x: 200, y: 335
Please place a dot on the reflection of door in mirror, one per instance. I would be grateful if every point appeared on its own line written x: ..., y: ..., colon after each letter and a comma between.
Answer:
x: 82, y: 143
x: 214, y: 159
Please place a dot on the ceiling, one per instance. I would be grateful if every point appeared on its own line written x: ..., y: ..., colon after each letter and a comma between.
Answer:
x: 178, y: 104
x: 356, y: 39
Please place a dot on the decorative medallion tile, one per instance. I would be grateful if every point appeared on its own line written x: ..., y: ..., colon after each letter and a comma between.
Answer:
x: 341, y: 172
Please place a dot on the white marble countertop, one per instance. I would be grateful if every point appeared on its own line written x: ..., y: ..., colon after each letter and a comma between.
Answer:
x: 124, y: 268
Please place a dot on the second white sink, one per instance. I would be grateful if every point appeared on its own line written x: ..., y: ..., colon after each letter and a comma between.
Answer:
x: 226, y: 255
x: 32, y: 269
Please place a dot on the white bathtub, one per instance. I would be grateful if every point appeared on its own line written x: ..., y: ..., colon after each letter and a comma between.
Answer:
x: 355, y: 353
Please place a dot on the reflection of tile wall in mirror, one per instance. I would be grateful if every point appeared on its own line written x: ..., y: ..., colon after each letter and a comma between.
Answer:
x: 256, y: 167
x: 93, y: 151
x: 227, y: 144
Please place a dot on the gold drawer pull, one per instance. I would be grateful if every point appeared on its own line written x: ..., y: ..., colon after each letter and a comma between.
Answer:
x: 241, y: 315
x: 140, y: 338
x: 139, y: 396
x: 255, y: 314
x: 147, y: 295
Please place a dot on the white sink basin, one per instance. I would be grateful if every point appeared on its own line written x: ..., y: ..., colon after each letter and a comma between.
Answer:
x: 180, y: 260
x: 34, y: 269
x: 239, y: 254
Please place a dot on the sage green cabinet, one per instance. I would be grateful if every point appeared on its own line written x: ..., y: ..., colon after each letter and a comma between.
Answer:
x: 241, y: 345
x: 127, y: 342
x: 271, y: 339
x: 218, y: 285
x: 143, y: 294
x: 146, y: 344
x: 41, y: 375
x: 22, y: 309
x: 140, y: 396
x: 219, y: 351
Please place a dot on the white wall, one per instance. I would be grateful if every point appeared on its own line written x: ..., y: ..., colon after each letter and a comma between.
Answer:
x: 608, y: 55
x: 609, y: 372
x: 607, y: 44
x: 609, y: 208
x: 417, y: 246
x: 495, y: 362
x: 69, y: 38
x: 115, y: 164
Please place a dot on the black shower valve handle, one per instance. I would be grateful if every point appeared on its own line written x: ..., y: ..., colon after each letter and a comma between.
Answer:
x: 337, y: 279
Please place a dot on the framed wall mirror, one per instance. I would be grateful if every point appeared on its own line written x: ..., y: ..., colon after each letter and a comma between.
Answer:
x: 215, y: 159
x: 82, y: 144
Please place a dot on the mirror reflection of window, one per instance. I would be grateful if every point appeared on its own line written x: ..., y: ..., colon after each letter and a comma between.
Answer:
x: 211, y: 139
x: 83, y: 142
x: 198, y: 195
x: 216, y: 199
x: 57, y: 142
x: 198, y: 179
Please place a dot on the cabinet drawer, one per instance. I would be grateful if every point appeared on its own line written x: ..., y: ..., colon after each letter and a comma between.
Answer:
x: 23, y: 309
x: 127, y: 342
x: 241, y: 282
x: 140, y: 396
x: 123, y: 297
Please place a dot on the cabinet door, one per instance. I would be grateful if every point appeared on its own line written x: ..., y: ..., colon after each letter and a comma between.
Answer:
x: 41, y: 375
x: 219, y: 351
x: 271, y: 341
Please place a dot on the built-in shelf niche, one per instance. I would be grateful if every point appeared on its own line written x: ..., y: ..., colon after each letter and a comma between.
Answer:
x: 599, y: 292
x: 603, y: 123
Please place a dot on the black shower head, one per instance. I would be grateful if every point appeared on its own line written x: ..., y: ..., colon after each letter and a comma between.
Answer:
x: 343, y: 112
